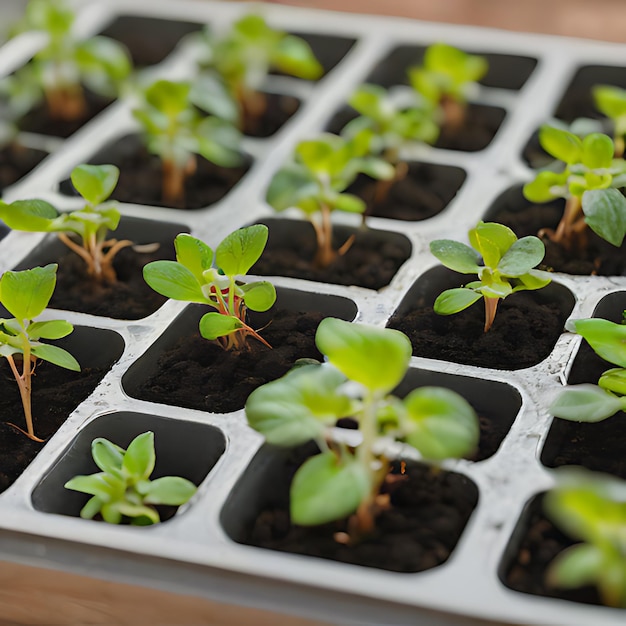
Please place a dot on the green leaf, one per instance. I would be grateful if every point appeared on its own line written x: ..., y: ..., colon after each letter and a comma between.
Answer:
x: 130, y: 509
x: 544, y: 187
x: 522, y: 256
x: 605, y: 214
x: 368, y: 100
x: 168, y: 97
x: 607, y: 338
x: 348, y: 203
x: 103, y: 63
x: 586, y: 403
x: 210, y: 93
x: 561, y: 144
x: 295, y: 408
x: 26, y: 294
x: 454, y: 300
x: 440, y: 423
x: 140, y: 457
x: 325, y: 489
x: 375, y: 357
x: 294, y: 56
x: 29, y: 215
x: 56, y: 356
x: 92, y: 508
x: 535, y: 279
x: 492, y: 241
x: 377, y: 168
x: 111, y: 513
x: 614, y: 380
x: 259, y: 296
x: 240, y: 250
x: 100, y: 485
x: 173, y: 280
x: 288, y: 185
x: 610, y: 100
x: 171, y: 490
x: 194, y: 254
x: 598, y: 151
x: 315, y: 154
x: 576, y: 566
x: 214, y: 325
x: 455, y: 256
x: 107, y: 456
x: 54, y: 329
x: 95, y: 183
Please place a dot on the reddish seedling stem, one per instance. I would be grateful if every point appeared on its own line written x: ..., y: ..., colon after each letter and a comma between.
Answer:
x: 491, y: 305
x: 24, y: 383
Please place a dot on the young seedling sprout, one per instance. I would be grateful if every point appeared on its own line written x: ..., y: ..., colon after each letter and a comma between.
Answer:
x: 58, y: 70
x: 174, y: 129
x: 611, y: 101
x: 123, y: 489
x: 192, y: 278
x: 594, y: 403
x: 243, y: 58
x: 364, y: 365
x: 508, y: 264
x: 392, y: 126
x: 25, y: 295
x: 589, y: 182
x: 315, y: 184
x: 591, y: 510
x: 94, y: 183
x: 446, y: 78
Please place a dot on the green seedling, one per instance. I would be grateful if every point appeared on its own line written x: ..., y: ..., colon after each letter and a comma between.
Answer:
x: 611, y: 101
x: 364, y: 364
x: 245, y: 55
x: 316, y: 181
x: 25, y: 295
x: 57, y: 72
x: 192, y: 278
x: 391, y: 128
x: 446, y: 79
x: 174, y: 129
x: 123, y: 489
x: 590, y: 510
x: 594, y: 403
x: 508, y: 268
x: 589, y: 182
x: 91, y: 224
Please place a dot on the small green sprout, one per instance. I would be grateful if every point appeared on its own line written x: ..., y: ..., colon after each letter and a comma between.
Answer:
x: 364, y: 364
x: 446, y: 79
x: 58, y: 70
x: 594, y: 403
x: 391, y: 128
x: 176, y: 131
x: 123, y: 489
x: 315, y: 184
x: 591, y: 510
x: 611, y: 101
x: 25, y: 295
x: 245, y: 55
x: 508, y: 268
x: 192, y: 278
x: 589, y: 182
x: 94, y: 183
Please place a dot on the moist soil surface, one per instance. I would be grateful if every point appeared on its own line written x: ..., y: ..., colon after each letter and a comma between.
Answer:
x: 16, y: 161
x: 523, y: 333
x: 600, y: 258
x: 429, y: 511
x: 371, y: 261
x: 56, y: 393
x: 425, y: 191
x: 199, y: 374
x: 130, y: 298
x: 539, y: 545
x: 597, y: 446
x: 39, y: 121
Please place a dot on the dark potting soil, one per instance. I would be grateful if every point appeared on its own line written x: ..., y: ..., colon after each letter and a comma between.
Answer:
x: 199, y: 374
x: 16, y: 161
x: 39, y: 121
x: 279, y: 109
x: 371, y: 261
x: 426, y: 190
x: 429, y: 511
x: 523, y: 333
x: 479, y: 128
x: 599, y: 446
x: 141, y: 175
x: 56, y: 393
x: 540, y: 543
x: 600, y: 258
x: 130, y: 298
